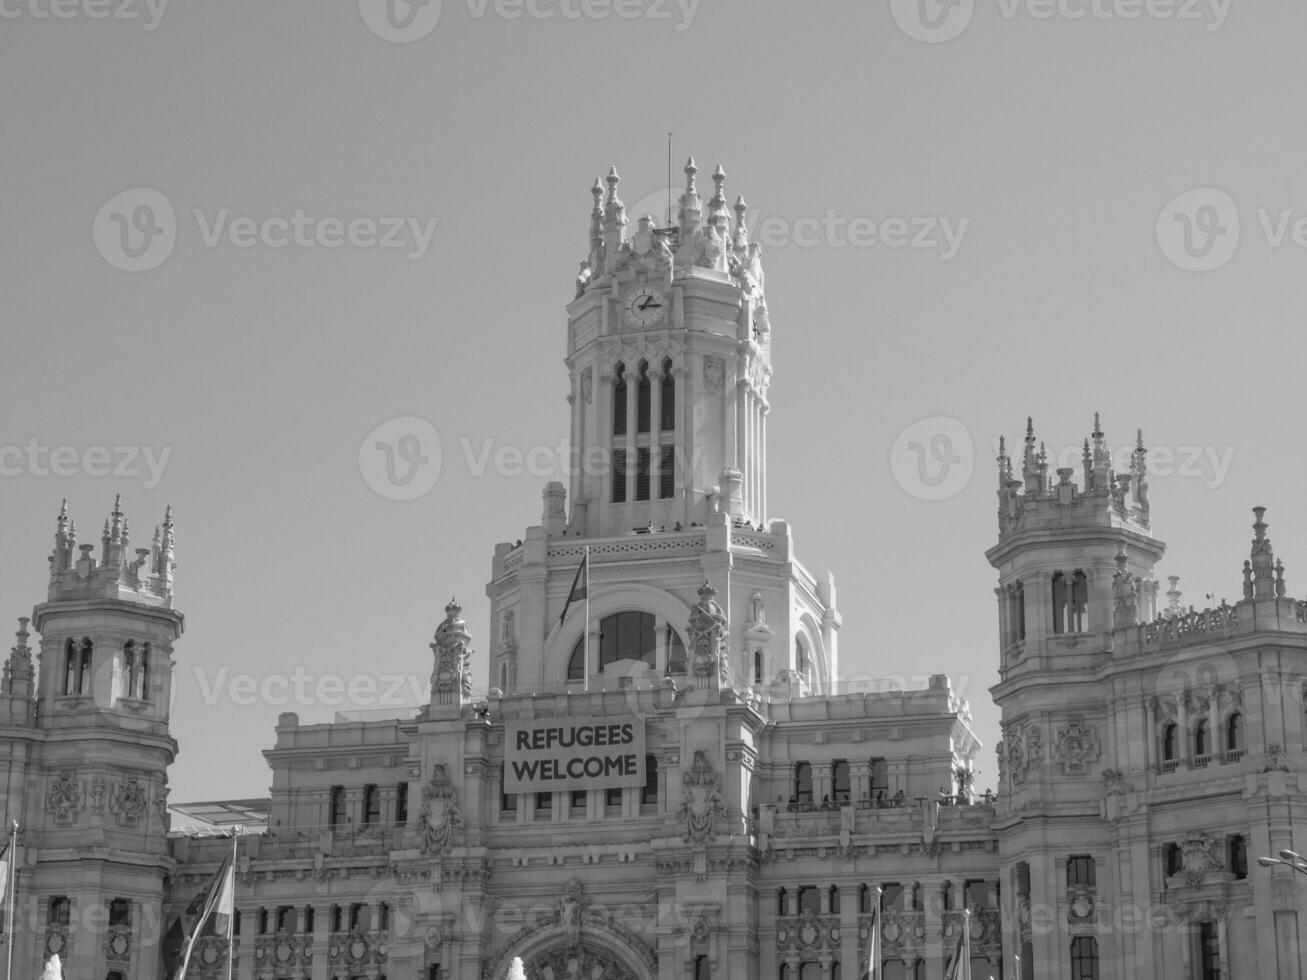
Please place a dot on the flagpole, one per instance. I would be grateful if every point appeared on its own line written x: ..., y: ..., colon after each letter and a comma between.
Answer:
x: 965, y: 970
x: 9, y: 910
x: 873, y: 971
x: 586, y: 628
x: 231, y: 919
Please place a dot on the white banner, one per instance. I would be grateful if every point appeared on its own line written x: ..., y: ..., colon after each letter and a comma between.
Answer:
x: 547, y: 754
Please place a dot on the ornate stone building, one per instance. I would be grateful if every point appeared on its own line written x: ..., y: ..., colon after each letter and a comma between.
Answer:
x: 668, y: 777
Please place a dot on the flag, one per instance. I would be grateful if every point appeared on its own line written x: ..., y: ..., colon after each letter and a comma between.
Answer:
x: 580, y: 586
x: 222, y: 911
x: 179, y: 940
x: 4, y: 870
x: 873, y: 954
x: 959, y: 964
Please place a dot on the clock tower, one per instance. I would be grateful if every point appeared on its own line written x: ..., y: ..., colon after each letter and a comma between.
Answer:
x: 669, y: 363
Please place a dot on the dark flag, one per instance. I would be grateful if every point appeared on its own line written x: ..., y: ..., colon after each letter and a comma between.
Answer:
x: 179, y: 940
x: 580, y: 586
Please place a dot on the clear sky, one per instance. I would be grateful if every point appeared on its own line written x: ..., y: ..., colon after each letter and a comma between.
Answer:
x: 1053, y: 140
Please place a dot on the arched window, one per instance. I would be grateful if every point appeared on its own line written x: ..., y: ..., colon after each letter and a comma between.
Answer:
x: 643, y: 399
x: 757, y: 666
x: 143, y: 673
x: 626, y: 636
x: 576, y: 663
x: 1169, y: 743
x: 1202, y: 744
x: 801, y: 661
x: 1079, y: 603
x: 84, y: 671
x: 1084, y: 958
x: 1238, y: 857
x: 667, y: 398
x: 1234, y: 732
x: 619, y: 399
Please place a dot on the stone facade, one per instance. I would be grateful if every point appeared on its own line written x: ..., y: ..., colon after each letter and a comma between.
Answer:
x: 766, y: 803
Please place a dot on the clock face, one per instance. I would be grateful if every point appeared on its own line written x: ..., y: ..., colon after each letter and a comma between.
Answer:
x: 644, y: 306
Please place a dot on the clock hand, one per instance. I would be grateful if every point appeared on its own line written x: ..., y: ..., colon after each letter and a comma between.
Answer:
x: 648, y: 302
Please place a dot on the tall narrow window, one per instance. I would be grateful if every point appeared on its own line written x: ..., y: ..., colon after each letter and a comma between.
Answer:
x: 143, y: 673
x: 127, y: 680
x: 757, y: 666
x: 667, y: 398
x: 1172, y: 860
x: 676, y: 662
x: 649, y: 793
x: 643, y: 399
x: 1059, y: 603
x: 308, y: 919
x: 1079, y: 603
x: 809, y: 900
x: 1084, y: 958
x: 1169, y: 743
x: 619, y: 476
x: 544, y: 802
x: 60, y: 911
x: 619, y: 399
x: 802, y: 782
x: 834, y: 894
x: 666, y: 472
x: 642, y: 475
x: 1202, y: 744
x: 840, y: 786
x: 1234, y: 733
x: 576, y: 663
x: 371, y: 804
x: 336, y: 805
x: 401, y: 803
x: 70, y: 667
x: 1209, y: 938
x: 507, y: 801
x: 84, y: 673
x: 1239, y: 857
x: 120, y: 912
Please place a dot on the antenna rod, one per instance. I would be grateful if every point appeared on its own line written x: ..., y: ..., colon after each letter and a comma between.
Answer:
x: 669, y: 178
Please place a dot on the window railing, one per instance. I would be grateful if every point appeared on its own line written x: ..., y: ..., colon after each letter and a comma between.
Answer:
x: 1234, y: 755
x: 1200, y: 761
x: 1170, y: 765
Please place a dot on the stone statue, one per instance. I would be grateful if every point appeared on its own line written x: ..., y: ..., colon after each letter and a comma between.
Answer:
x: 569, y: 913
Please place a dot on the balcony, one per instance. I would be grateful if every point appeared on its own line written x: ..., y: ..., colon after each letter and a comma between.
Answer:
x: 1170, y: 765
x: 1200, y: 761
x: 1234, y: 755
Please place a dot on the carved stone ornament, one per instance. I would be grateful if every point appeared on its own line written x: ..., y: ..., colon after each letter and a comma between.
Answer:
x: 1200, y: 856
x: 129, y: 801
x: 440, y: 817
x: 701, y: 800
x: 451, y: 679
x: 1277, y: 760
x: 65, y: 798
x: 587, y: 385
x: 1125, y: 593
x: 570, y: 905
x: 708, y: 635
x: 1025, y: 751
x: 714, y: 374
x: 1116, y: 783
x: 1076, y: 746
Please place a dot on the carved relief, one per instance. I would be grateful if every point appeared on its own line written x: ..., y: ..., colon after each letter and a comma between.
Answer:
x: 1115, y: 783
x: 714, y: 374
x: 701, y: 800
x: 129, y: 801
x: 1200, y: 856
x: 1025, y: 751
x: 65, y: 799
x: 1075, y: 746
x: 440, y: 817
x: 569, y: 912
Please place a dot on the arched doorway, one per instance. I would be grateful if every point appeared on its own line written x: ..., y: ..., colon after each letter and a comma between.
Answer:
x: 586, y: 961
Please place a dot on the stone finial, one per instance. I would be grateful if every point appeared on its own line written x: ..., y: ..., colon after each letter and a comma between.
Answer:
x: 1029, y: 460
x: 741, y: 238
x: 451, y: 677
x: 1173, y: 596
x: 612, y: 180
x: 1004, y: 464
x: 1279, y: 578
x: 690, y: 170
x: 1262, y: 558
